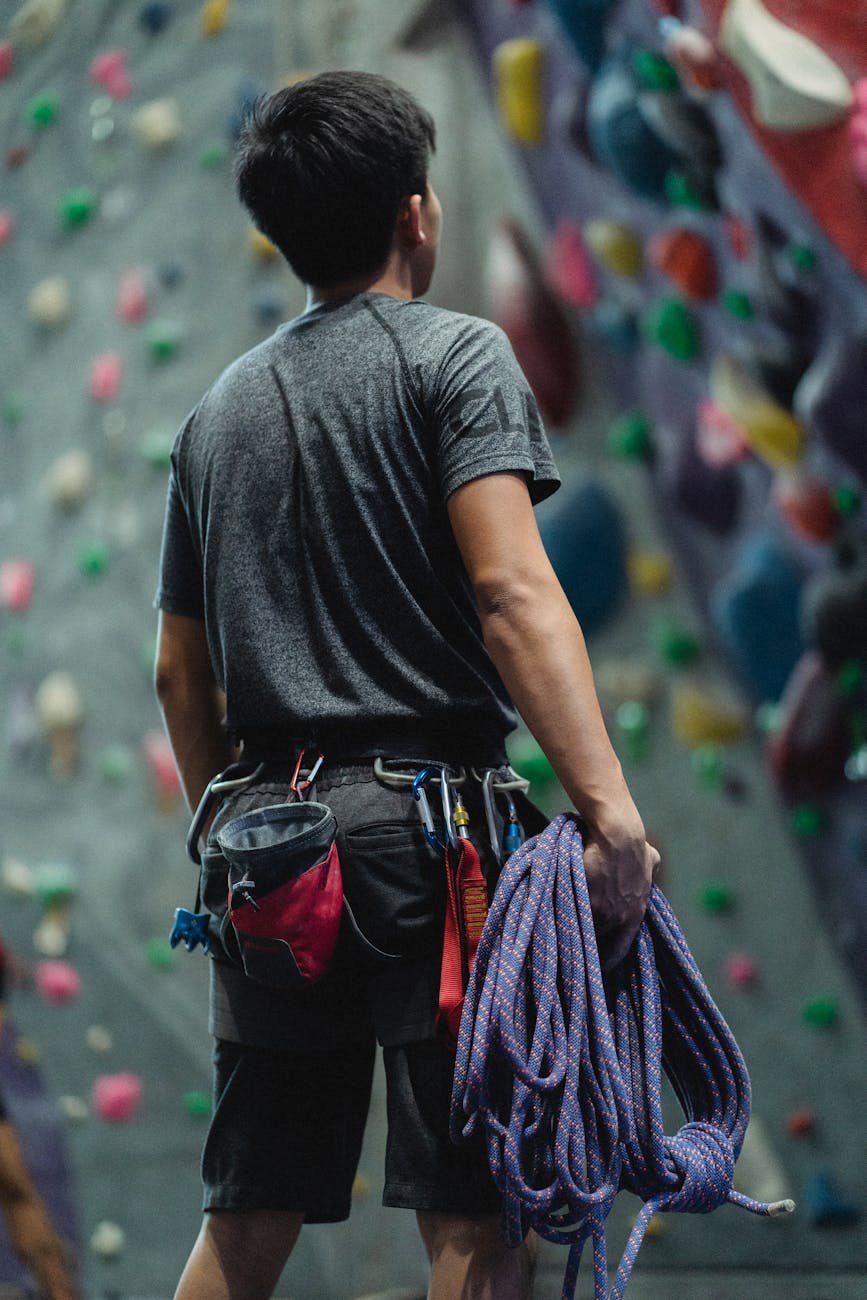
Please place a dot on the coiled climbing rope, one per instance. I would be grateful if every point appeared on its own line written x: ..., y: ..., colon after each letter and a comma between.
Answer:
x: 561, y: 1066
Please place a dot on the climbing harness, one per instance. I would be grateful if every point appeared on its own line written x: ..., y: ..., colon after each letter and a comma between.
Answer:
x: 284, y: 884
x: 561, y: 1066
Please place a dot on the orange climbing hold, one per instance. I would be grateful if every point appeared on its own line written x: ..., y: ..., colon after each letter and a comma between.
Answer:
x: 687, y: 259
x: 807, y: 503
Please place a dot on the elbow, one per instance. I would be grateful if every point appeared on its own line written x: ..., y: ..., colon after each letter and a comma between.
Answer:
x: 512, y: 598
x: 165, y: 679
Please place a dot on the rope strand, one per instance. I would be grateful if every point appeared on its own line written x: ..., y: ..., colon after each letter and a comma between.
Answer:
x: 562, y: 1066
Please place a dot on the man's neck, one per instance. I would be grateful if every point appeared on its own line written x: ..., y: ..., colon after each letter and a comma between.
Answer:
x: 393, y: 280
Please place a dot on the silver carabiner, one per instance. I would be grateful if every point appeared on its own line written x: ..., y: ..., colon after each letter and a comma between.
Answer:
x: 446, y: 792
x: 488, y: 799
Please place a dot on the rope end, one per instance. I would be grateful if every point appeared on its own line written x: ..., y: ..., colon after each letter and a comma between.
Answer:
x: 777, y: 1208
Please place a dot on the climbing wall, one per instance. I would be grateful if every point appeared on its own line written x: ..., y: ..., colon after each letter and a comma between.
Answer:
x: 130, y: 278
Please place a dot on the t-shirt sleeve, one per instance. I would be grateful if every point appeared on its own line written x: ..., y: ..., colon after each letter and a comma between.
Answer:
x: 486, y: 416
x: 180, y: 588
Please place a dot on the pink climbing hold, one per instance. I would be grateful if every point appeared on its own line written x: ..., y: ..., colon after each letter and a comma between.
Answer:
x: 7, y: 58
x: 6, y: 227
x: 132, y: 297
x: 858, y: 130
x: 17, y: 579
x: 807, y: 504
x: 161, y: 762
x: 719, y: 439
x: 108, y: 71
x: 57, y: 981
x: 741, y: 970
x: 106, y: 376
x: 569, y: 268
x: 738, y: 236
x: 116, y: 1097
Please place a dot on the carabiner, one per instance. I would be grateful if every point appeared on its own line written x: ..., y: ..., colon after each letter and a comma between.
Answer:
x: 420, y: 795
x: 446, y: 791
x: 489, y: 801
x: 300, y: 790
x: 223, y: 784
x: 513, y: 836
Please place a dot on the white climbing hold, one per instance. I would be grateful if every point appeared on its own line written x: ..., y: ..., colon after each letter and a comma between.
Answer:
x: 108, y: 1240
x: 36, y: 20
x: 99, y: 1040
x: 157, y: 124
x: 72, y: 1108
x: 50, y: 302
x: 69, y: 479
x: 59, y: 711
x: 17, y: 878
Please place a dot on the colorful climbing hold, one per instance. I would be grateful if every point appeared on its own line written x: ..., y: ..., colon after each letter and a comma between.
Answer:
x: 156, y: 447
x: 131, y: 305
x: 106, y: 377
x: 56, y: 884
x: 69, y: 480
x: 17, y: 580
x: 620, y: 680
x: 57, y: 981
x: 691, y: 52
x: 72, y: 1108
x: 50, y: 302
x: 808, y: 748
x: 92, y: 558
x: 159, y: 954
x: 675, y: 645
x: 155, y: 16
x: 806, y: 502
x: 738, y: 304
x: 847, y: 500
x: 36, y: 21
x: 715, y: 896
x: 621, y: 133
x: 116, y: 1097
x: 161, y: 763
x: 214, y: 17
x: 700, y: 717
x: 719, y: 439
x: 115, y: 763
x: 800, y: 1123
x: 13, y: 409
x: 756, y: 610
x: 98, y: 1040
x: 585, y: 540
x: 109, y: 72
x: 42, y: 110
x: 650, y: 572
x: 163, y: 340
x: 825, y: 1204
x: 708, y: 763
x: 741, y: 970
x: 76, y: 206
x: 157, y: 124
x: 629, y: 436
x: 7, y: 58
x: 672, y: 326
x: 197, y: 1104
x: 107, y: 1240
x: 682, y: 191
x: 616, y: 245
x: 654, y: 72
x: 808, y: 819
x: 532, y: 763
x: 615, y: 326
x: 7, y: 225
x: 213, y: 155
x: 687, y: 259
x: 269, y: 305
x: 633, y: 729
x: 60, y: 712
x: 518, y: 67
x: 568, y: 267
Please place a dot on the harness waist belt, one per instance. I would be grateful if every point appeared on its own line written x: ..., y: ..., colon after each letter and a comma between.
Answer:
x: 354, y: 743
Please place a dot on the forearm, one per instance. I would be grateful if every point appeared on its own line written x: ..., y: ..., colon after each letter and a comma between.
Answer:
x: 538, y: 648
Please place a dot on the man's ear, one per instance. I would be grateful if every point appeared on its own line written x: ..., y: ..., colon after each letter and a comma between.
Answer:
x: 410, y: 223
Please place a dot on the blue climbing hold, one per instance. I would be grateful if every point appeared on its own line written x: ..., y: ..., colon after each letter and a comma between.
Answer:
x: 247, y: 92
x: 615, y: 326
x: 583, y: 22
x: 621, y: 136
x: 584, y: 538
x: 155, y: 16
x: 825, y: 1204
x: 755, y: 610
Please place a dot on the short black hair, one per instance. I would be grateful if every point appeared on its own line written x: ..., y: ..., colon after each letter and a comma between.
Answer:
x: 323, y: 165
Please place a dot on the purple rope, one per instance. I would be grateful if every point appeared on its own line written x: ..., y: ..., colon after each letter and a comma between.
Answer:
x: 562, y: 1066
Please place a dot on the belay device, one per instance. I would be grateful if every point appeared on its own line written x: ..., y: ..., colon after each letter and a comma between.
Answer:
x: 284, y: 884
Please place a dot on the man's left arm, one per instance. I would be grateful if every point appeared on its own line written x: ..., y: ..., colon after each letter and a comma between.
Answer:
x: 191, y: 703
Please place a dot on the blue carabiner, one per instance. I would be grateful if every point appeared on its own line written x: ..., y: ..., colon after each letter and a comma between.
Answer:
x: 420, y: 795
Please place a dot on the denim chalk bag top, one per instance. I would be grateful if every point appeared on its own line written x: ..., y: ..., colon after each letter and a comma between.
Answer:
x: 285, y: 891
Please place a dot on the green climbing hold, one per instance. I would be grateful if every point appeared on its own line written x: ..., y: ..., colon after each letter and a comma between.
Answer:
x: 529, y: 760
x: 213, y: 155
x: 672, y: 326
x: 42, y: 110
x: 676, y: 646
x: 163, y: 340
x: 821, y: 1012
x: 197, y: 1103
x: 808, y: 819
x: 738, y: 304
x: 13, y: 409
x: 15, y: 639
x: 629, y: 436
x: 847, y: 500
x: 160, y: 954
x: 682, y: 193
x: 802, y: 256
x: 115, y: 763
x: 709, y: 765
x: 55, y: 884
x: 633, y: 727
x: 93, y: 558
x: 769, y: 718
x: 849, y: 678
x: 653, y: 71
x: 715, y: 896
x: 156, y: 447
x: 76, y: 206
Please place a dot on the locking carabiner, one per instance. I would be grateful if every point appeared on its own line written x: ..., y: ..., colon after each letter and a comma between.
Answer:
x: 300, y: 790
x: 420, y: 795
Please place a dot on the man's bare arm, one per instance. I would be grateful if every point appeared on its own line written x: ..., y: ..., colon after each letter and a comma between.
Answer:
x: 538, y: 649
x: 191, y: 703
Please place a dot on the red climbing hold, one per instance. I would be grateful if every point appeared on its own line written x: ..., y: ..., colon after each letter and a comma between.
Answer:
x: 16, y: 584
x: 106, y: 375
x: 116, y: 1097
x: 687, y: 259
x: 807, y: 504
x: 808, y: 750
x: 569, y: 268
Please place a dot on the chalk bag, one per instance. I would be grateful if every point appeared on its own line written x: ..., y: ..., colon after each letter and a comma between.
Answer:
x: 285, y: 891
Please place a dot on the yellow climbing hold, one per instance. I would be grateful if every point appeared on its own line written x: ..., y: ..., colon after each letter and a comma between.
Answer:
x: 649, y: 572
x: 27, y: 1051
x: 261, y: 247
x: 700, y: 718
x: 361, y: 1185
x: 655, y: 1228
x: 768, y: 429
x: 616, y: 245
x: 214, y: 17
x: 518, y: 72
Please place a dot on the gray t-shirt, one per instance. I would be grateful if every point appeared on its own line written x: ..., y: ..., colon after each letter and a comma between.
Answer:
x: 306, y: 520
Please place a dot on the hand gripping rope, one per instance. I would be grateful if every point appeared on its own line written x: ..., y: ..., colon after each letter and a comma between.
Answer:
x: 561, y: 1065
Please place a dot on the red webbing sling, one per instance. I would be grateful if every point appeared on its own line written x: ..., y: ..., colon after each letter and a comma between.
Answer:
x: 466, y: 909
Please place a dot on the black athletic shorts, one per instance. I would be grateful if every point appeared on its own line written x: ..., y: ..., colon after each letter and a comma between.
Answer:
x: 290, y: 1103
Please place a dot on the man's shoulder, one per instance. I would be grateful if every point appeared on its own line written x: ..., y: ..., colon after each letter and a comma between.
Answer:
x: 429, y: 334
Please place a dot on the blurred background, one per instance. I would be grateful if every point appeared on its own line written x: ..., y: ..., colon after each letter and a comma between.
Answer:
x: 664, y: 205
